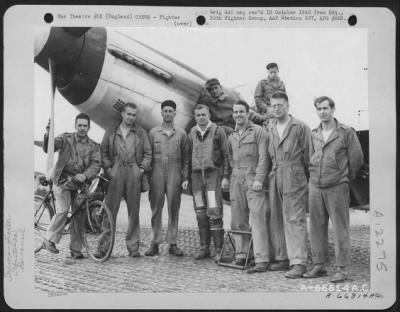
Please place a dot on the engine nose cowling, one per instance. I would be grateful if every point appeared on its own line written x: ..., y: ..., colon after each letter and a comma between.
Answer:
x: 78, y: 54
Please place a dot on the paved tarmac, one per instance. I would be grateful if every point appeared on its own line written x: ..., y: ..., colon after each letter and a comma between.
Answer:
x: 165, y: 273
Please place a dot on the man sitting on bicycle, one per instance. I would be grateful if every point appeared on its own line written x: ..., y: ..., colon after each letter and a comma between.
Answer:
x: 79, y: 160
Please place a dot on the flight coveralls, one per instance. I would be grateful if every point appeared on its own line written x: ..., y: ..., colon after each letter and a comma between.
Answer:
x: 249, y: 162
x: 169, y: 169
x: 76, y: 155
x: 262, y: 95
x: 122, y: 159
x: 208, y: 163
x: 221, y: 109
x: 288, y: 191
x: 333, y: 164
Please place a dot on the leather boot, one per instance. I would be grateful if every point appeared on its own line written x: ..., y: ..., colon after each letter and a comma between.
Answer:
x: 205, y: 238
x: 153, y: 250
x: 50, y: 246
x: 218, y: 237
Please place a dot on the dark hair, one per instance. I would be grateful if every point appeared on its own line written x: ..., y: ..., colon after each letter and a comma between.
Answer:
x: 272, y: 65
x: 82, y: 116
x: 280, y: 95
x: 129, y: 104
x: 201, y: 106
x: 244, y: 103
x: 169, y: 103
x: 320, y: 99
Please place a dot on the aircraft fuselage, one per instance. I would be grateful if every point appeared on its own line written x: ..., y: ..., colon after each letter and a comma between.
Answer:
x: 99, y: 69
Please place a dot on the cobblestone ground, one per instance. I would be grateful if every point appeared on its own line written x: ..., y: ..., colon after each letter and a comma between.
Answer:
x: 165, y: 273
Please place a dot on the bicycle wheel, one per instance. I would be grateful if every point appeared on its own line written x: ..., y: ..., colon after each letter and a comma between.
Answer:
x: 98, y: 218
x: 43, y: 213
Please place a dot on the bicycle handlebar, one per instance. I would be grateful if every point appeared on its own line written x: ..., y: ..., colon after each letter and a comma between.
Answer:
x: 45, y: 182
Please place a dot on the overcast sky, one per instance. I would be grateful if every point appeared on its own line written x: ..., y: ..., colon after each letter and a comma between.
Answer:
x: 312, y: 62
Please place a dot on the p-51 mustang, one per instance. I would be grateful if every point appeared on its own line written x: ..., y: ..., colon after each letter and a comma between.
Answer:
x: 99, y: 69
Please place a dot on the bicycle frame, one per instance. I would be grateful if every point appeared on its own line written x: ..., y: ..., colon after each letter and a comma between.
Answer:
x: 88, y: 200
x: 49, y: 198
x: 84, y: 205
x: 87, y: 190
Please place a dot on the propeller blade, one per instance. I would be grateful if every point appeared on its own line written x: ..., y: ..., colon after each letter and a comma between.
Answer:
x: 50, y: 149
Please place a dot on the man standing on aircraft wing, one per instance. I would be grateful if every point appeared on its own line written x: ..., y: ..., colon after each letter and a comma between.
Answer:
x: 336, y: 157
x: 169, y: 169
x: 126, y: 155
x: 79, y: 159
x: 209, y: 164
x: 220, y: 101
x: 249, y: 162
x: 266, y: 87
x: 289, y: 140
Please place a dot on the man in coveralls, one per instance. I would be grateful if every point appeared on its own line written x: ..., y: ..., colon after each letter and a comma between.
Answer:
x: 249, y: 163
x: 220, y: 101
x: 209, y: 164
x: 126, y: 155
x: 79, y: 159
x: 169, y: 170
x: 289, y: 140
x: 336, y: 157
x: 266, y: 87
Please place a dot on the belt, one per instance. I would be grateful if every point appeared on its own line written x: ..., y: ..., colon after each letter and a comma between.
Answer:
x: 166, y: 159
x: 286, y: 163
x: 126, y: 163
x: 243, y: 167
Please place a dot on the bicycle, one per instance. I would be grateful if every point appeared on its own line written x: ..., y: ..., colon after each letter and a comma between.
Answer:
x: 96, y: 212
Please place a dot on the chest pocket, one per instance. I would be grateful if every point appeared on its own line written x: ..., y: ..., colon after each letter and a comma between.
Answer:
x: 77, y: 160
x: 249, y: 146
x: 174, y: 148
x: 268, y: 90
x: 287, y: 145
x: 157, y: 146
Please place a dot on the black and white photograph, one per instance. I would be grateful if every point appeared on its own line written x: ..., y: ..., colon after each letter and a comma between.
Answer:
x: 212, y: 163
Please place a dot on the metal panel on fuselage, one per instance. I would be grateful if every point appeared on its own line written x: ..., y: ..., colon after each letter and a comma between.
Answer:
x: 122, y: 81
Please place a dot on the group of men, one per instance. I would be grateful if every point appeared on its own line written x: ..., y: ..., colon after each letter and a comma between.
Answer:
x: 272, y: 174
